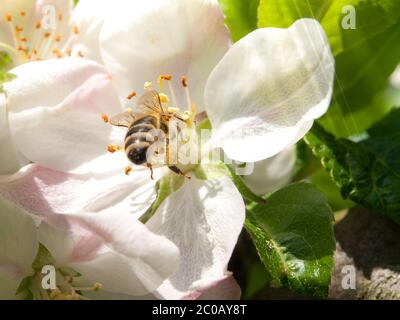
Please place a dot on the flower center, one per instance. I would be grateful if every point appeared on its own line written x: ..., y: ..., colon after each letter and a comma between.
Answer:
x: 65, y: 288
x: 34, y: 40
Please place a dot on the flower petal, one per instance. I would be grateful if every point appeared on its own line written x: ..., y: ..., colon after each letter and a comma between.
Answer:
x: 10, y: 158
x: 273, y: 173
x: 89, y: 17
x: 43, y: 192
x: 61, y: 129
x: 204, y: 231
x: 225, y: 288
x: 111, y: 248
x: 266, y: 92
x: 145, y: 39
x: 18, y: 247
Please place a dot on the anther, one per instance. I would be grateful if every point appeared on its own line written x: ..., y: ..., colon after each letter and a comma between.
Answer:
x: 80, y: 54
x: 24, y: 39
x: 47, y: 34
x: 128, y: 170
x: 18, y: 29
x: 105, y: 118
x: 184, y: 81
x: 57, y: 38
x: 8, y: 17
x: 113, y: 148
x: 131, y: 95
x: 60, y: 16
x: 166, y: 77
x: 22, y: 13
x: 163, y: 98
x: 38, y: 24
x: 75, y: 29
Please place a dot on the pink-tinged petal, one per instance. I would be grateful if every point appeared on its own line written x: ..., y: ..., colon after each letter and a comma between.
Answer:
x: 18, y: 247
x: 225, y: 288
x: 55, y: 109
x: 264, y: 95
x: 11, y: 159
x: 204, y: 230
x: 144, y: 39
x: 110, y: 248
x: 44, y: 191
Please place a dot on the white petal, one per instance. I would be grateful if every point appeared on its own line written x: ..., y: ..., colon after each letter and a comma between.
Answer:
x: 267, y: 90
x: 225, y: 288
x: 273, y: 173
x: 113, y: 249
x: 10, y: 158
x: 89, y: 17
x: 55, y: 109
x: 144, y: 39
x: 18, y: 247
x: 44, y: 191
x: 204, y: 219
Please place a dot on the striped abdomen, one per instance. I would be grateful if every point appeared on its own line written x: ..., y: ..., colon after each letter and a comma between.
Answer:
x: 136, y: 144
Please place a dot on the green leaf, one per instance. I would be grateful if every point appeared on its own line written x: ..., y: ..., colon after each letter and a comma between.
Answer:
x: 5, y: 62
x: 372, y: 17
x: 368, y: 171
x: 241, y: 16
x: 294, y: 237
x: 43, y: 258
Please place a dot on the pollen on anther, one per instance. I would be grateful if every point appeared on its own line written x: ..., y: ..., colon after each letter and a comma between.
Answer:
x: 128, y: 170
x: 184, y: 81
x: 60, y: 16
x: 112, y: 149
x: 18, y: 29
x: 8, y: 17
x: 167, y: 77
x: 47, y: 34
x: 105, y: 118
x: 24, y: 39
x: 22, y: 13
x: 75, y: 29
x: 131, y: 95
x: 38, y: 24
x: 57, y: 38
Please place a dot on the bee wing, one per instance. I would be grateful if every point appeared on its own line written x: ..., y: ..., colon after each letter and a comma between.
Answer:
x: 149, y: 102
x: 123, y: 119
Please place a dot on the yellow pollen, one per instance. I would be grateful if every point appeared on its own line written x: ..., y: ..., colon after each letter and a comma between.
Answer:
x: 57, y: 38
x: 163, y: 98
x: 18, y: 29
x: 75, y: 29
x: 113, y: 148
x: 38, y: 24
x: 22, y: 13
x: 167, y: 77
x: 173, y: 109
x: 8, y: 17
x: 47, y: 34
x: 97, y: 286
x: 24, y: 39
x: 128, y: 110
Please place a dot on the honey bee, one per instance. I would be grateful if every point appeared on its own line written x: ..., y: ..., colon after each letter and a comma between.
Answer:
x: 148, y: 117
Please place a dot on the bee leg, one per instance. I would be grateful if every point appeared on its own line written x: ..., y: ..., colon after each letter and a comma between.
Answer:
x: 176, y: 170
x: 151, y: 171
